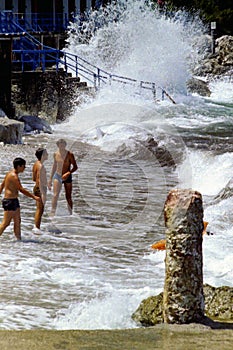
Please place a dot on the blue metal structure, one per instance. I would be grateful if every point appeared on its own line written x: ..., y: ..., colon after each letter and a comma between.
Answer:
x: 39, y: 22
x: 29, y: 54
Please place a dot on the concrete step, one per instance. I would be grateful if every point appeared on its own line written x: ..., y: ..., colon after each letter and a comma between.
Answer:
x: 75, y: 83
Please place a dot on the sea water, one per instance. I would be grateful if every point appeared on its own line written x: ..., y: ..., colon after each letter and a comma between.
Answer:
x: 95, y: 273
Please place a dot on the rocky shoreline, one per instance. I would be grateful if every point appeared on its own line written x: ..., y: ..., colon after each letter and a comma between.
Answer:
x: 214, y: 66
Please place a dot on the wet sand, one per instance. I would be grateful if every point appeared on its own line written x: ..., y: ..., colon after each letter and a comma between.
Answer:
x: 177, y: 337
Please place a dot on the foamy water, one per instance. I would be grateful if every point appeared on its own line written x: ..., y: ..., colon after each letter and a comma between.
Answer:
x: 97, y: 271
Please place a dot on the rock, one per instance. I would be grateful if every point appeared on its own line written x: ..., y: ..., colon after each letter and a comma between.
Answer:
x: 218, y: 305
x: 52, y: 94
x: 210, y: 67
x: 150, y: 311
x: 198, y: 86
x: 34, y: 123
x: 161, y: 153
x: 219, y: 302
x: 225, y: 193
x: 38, y: 93
x: 2, y: 114
x: 224, y: 48
x: 219, y: 63
x: 11, y: 131
x: 183, y: 300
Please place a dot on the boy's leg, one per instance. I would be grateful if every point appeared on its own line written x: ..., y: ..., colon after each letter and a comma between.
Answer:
x: 8, y: 215
x: 39, y: 213
x: 17, y: 223
x: 68, y: 191
x: 56, y: 191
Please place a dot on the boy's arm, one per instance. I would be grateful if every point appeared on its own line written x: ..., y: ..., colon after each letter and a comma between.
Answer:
x: 73, y: 169
x: 2, y: 186
x: 74, y: 164
x: 43, y: 176
x: 24, y: 191
x: 34, y: 172
x: 54, y: 167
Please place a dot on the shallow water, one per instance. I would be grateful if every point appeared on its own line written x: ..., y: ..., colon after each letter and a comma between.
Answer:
x: 95, y: 273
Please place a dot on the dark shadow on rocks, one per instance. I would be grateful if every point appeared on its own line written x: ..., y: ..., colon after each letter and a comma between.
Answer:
x: 206, y: 321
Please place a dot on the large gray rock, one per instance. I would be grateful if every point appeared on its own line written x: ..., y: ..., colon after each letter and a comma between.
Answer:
x: 220, y: 63
x: 225, y: 50
x: 219, y: 302
x: 198, y: 86
x: 150, y: 311
x: 51, y: 94
x: 32, y: 123
x: 225, y: 193
x: 218, y: 305
x: 11, y: 131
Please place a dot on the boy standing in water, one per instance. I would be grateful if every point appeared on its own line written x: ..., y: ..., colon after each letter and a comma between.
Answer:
x: 64, y: 165
x: 39, y: 176
x: 10, y: 203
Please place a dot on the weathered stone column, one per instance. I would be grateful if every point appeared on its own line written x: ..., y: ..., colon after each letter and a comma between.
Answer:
x: 183, y: 300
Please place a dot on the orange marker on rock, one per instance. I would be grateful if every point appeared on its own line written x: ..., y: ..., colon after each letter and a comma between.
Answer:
x: 161, y: 245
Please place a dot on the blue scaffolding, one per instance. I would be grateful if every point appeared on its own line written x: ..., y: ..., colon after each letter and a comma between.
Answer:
x: 11, y: 23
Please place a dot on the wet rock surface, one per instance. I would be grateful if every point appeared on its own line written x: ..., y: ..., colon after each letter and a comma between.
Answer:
x: 33, y: 123
x: 217, y: 65
x: 218, y: 305
x: 220, y: 62
x: 11, y: 131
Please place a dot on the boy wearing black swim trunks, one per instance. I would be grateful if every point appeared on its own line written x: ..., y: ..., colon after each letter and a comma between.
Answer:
x: 12, y: 186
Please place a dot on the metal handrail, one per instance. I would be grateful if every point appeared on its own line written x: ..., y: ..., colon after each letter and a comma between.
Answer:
x: 97, y: 77
x: 43, y: 56
x: 85, y: 69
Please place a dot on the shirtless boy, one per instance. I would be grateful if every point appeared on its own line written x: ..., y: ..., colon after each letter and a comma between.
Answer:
x: 39, y: 176
x: 64, y: 165
x: 10, y: 203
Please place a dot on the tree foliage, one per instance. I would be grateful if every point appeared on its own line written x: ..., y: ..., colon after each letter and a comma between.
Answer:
x: 219, y: 11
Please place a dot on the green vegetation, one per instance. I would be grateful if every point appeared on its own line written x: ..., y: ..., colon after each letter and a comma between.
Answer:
x: 219, y: 11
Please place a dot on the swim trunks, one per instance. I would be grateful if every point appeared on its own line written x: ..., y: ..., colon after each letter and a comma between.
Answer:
x: 58, y: 177
x: 37, y: 192
x: 10, y: 204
